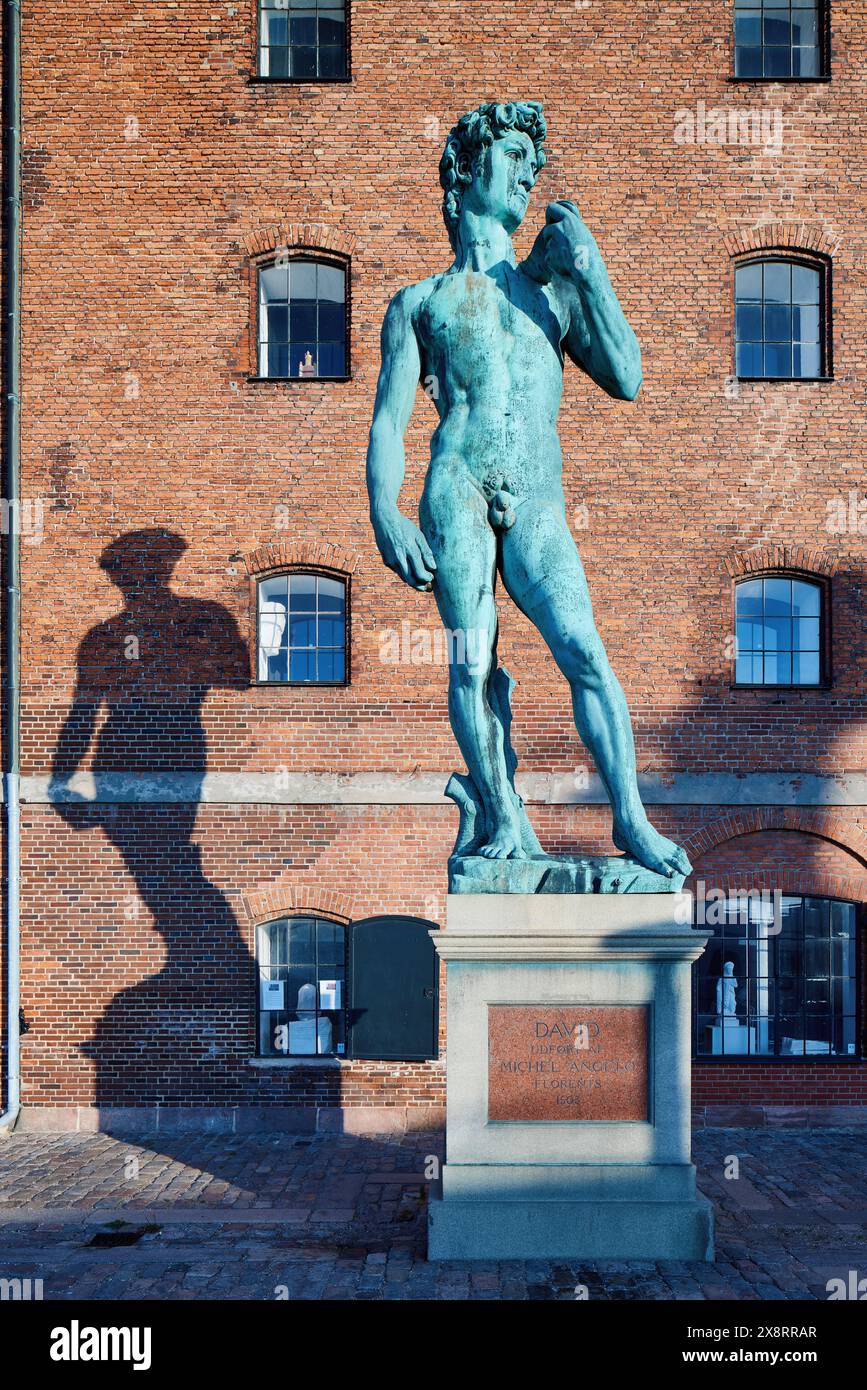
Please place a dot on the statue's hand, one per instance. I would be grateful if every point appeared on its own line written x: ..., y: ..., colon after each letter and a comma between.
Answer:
x: 404, y: 549
x: 563, y: 247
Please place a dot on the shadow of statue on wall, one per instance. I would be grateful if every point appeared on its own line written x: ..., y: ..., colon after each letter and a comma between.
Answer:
x: 142, y: 678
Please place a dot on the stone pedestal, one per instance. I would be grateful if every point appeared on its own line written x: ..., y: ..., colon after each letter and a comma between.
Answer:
x: 568, y: 1079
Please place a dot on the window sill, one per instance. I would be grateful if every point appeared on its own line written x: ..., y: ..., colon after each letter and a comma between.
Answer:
x: 791, y: 81
x: 301, y: 685
x: 779, y: 689
x: 257, y: 80
x: 296, y: 380
x: 326, y: 1063
x: 786, y: 380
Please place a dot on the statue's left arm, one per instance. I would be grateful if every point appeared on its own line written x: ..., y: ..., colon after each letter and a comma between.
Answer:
x: 597, y: 336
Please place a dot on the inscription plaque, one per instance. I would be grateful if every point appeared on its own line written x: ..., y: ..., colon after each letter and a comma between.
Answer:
x: 575, y: 1062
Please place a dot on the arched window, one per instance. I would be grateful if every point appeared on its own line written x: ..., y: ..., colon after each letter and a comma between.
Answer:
x: 361, y: 989
x: 781, y: 39
x: 302, y: 623
x: 781, y: 329
x: 780, y: 631
x: 303, y: 40
x: 777, y: 978
x: 303, y: 319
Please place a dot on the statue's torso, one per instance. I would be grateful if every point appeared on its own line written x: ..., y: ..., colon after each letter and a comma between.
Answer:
x: 492, y: 362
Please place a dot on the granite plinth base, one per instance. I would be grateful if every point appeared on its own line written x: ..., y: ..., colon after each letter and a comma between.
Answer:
x: 568, y: 1080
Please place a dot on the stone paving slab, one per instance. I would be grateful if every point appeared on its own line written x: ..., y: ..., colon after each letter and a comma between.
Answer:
x: 336, y: 1217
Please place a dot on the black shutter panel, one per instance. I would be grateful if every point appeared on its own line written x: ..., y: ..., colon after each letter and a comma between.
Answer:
x: 393, y: 993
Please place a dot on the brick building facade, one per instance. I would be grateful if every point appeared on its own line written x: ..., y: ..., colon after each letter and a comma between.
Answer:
x: 162, y: 174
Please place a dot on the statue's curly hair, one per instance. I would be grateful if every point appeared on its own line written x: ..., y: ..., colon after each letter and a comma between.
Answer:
x: 475, y: 132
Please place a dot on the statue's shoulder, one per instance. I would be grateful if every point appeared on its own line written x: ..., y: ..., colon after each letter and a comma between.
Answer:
x: 413, y: 297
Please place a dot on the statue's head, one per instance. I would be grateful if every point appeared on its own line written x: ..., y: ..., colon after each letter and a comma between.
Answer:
x: 491, y: 161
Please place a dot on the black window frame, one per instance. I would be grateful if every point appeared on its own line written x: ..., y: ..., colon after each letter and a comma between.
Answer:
x: 351, y: 1016
x: 791, y: 256
x: 309, y: 571
x: 265, y: 79
x: 823, y: 8
x: 820, y: 582
x: 777, y: 1058
x: 307, y: 255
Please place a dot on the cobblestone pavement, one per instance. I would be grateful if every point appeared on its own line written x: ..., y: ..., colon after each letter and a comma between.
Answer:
x: 344, y: 1218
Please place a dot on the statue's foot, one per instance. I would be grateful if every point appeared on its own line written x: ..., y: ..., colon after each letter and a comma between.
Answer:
x: 637, y: 837
x: 505, y: 843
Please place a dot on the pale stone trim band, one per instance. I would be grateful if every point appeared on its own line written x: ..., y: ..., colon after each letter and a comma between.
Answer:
x: 427, y: 789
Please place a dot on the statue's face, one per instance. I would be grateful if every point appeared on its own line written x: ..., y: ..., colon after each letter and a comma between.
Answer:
x: 504, y: 180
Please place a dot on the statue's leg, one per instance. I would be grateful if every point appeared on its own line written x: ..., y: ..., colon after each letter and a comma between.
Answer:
x: 543, y: 573
x: 454, y: 518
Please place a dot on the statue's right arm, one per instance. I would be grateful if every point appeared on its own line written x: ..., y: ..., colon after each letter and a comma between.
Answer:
x: 401, y: 544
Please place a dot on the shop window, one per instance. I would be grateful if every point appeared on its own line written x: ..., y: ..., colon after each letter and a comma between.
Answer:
x: 364, y: 989
x: 778, y: 979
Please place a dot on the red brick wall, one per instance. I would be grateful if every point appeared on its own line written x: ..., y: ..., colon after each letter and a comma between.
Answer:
x: 138, y: 412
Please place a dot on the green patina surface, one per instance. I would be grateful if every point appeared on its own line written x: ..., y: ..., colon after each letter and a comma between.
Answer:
x: 488, y: 338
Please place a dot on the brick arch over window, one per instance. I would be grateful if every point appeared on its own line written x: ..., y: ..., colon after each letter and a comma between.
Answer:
x: 303, y: 239
x: 840, y: 876
x: 298, y: 554
x: 298, y: 236
x: 790, y: 238
x: 286, y: 900
x: 796, y: 558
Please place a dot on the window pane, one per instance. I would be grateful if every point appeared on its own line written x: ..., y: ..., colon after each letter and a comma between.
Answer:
x: 332, y: 283
x: 807, y: 360
x: 748, y: 669
x: 778, y: 359
x: 302, y: 280
x: 748, y: 28
x: 304, y: 62
x: 805, y: 62
x: 775, y: 28
x: 777, y: 281
x: 302, y: 631
x: 748, y: 62
x: 778, y: 597
x: 805, y: 26
x: 749, y: 322
x: 302, y: 665
x: 748, y: 282
x: 777, y: 62
x: 805, y: 323
x: 302, y: 593
x: 274, y: 283
x: 332, y: 62
x: 302, y: 29
x: 331, y: 595
x: 806, y: 599
x: 805, y: 284
x: 749, y: 359
x: 749, y: 598
x: 302, y: 322
x: 277, y: 360
x: 805, y: 634
x: 778, y: 323
x: 778, y: 668
x: 805, y: 668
